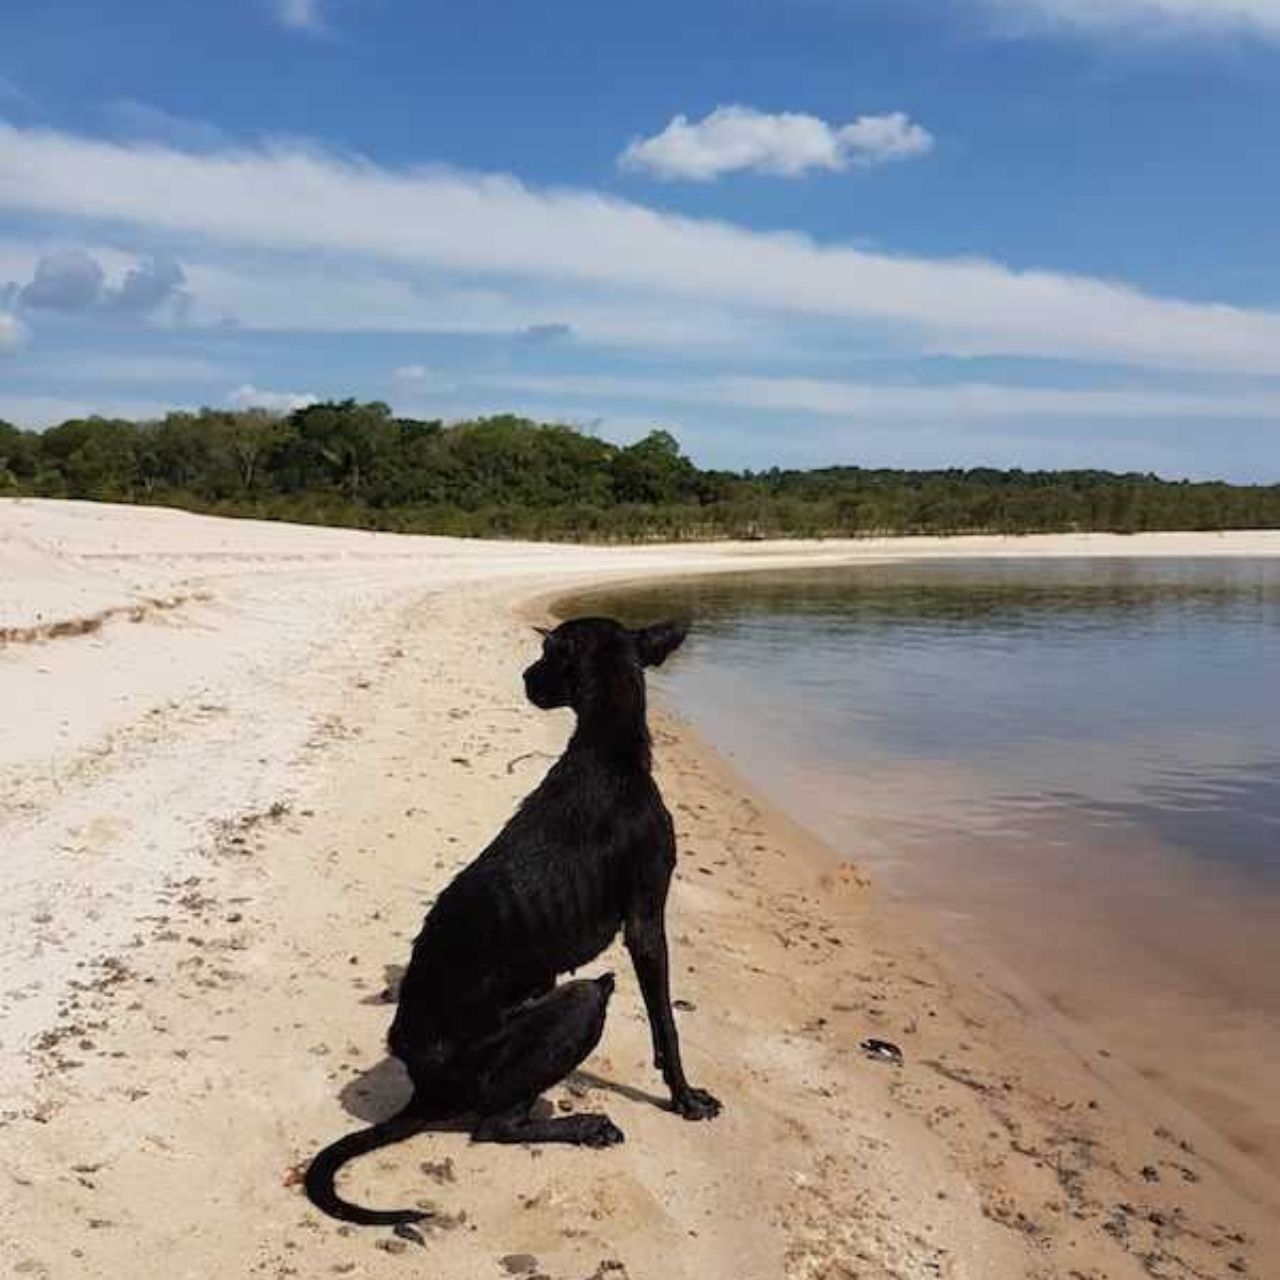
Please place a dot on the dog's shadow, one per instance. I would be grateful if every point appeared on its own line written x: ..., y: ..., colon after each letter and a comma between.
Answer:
x: 591, y: 1080
x: 385, y: 1088
x: 380, y: 1092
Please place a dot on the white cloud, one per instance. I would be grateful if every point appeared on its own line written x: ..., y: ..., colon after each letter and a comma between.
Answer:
x: 286, y: 293
x: 251, y: 397
x: 300, y: 15
x: 976, y: 401
x: 302, y: 201
x: 11, y: 332
x: 789, y: 144
x: 877, y: 402
x: 876, y: 139
x: 1149, y: 18
x: 362, y: 297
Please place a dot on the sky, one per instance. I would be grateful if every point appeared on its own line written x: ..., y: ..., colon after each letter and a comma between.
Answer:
x: 1037, y: 233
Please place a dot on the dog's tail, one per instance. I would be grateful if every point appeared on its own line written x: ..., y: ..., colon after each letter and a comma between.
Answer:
x: 324, y: 1168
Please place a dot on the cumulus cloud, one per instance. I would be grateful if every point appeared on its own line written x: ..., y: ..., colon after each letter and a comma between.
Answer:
x: 297, y: 200
x: 1151, y: 18
x: 73, y: 282
x: 251, y: 397
x: 737, y: 139
x: 155, y: 282
x: 69, y: 280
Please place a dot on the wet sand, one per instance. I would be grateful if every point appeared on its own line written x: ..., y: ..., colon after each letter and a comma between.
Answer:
x: 221, y: 825
x: 1172, y: 965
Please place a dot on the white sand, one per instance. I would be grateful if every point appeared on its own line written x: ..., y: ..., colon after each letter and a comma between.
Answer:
x: 182, y: 967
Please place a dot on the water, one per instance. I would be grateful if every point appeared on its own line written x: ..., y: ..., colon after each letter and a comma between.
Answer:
x: 1075, y: 764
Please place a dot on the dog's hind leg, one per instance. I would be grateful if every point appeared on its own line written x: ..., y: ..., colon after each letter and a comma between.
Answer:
x: 536, y: 1048
x: 520, y: 1125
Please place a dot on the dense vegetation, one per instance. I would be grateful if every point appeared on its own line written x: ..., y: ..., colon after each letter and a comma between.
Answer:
x: 358, y: 464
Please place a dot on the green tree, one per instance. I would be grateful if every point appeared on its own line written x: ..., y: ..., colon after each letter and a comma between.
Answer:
x: 18, y: 457
x: 93, y: 457
x: 251, y: 438
x: 355, y: 464
x: 653, y: 470
x: 339, y: 444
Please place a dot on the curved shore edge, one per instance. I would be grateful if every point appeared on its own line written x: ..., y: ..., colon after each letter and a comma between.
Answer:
x: 843, y: 888
x: 1223, y: 1097
x: 221, y: 826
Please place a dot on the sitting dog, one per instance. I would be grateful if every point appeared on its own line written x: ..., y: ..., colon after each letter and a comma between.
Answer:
x: 481, y: 1025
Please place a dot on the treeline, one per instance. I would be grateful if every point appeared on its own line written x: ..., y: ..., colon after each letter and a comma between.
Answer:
x: 359, y: 464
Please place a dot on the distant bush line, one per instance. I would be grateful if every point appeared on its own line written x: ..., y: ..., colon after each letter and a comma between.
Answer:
x: 359, y: 465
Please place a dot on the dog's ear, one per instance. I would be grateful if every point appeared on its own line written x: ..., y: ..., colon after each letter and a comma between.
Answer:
x: 657, y: 643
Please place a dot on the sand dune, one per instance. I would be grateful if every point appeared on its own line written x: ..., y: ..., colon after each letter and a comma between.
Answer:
x: 222, y: 818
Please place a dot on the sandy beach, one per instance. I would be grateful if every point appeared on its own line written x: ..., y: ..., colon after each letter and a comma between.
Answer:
x: 237, y: 762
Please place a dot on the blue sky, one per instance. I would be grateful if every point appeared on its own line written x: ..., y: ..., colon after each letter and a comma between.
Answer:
x: 893, y: 232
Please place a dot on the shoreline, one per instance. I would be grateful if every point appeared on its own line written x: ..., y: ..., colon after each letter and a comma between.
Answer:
x: 198, y: 944
x: 834, y: 874
x: 1166, y: 963
x: 1013, y: 1040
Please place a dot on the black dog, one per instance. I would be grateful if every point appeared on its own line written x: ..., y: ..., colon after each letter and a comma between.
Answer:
x: 481, y: 1026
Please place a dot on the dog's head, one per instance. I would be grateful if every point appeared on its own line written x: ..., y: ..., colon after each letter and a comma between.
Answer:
x: 584, y: 653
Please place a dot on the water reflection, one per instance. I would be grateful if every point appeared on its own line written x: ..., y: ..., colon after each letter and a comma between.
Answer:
x: 1076, y: 764
x: 1116, y: 694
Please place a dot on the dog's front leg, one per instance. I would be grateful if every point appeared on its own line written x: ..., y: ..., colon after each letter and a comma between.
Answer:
x: 646, y: 940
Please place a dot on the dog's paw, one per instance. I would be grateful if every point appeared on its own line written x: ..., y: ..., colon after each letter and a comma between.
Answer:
x: 696, y: 1104
x: 600, y: 1131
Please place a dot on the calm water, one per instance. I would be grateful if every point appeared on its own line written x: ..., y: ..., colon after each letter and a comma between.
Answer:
x: 1076, y: 763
